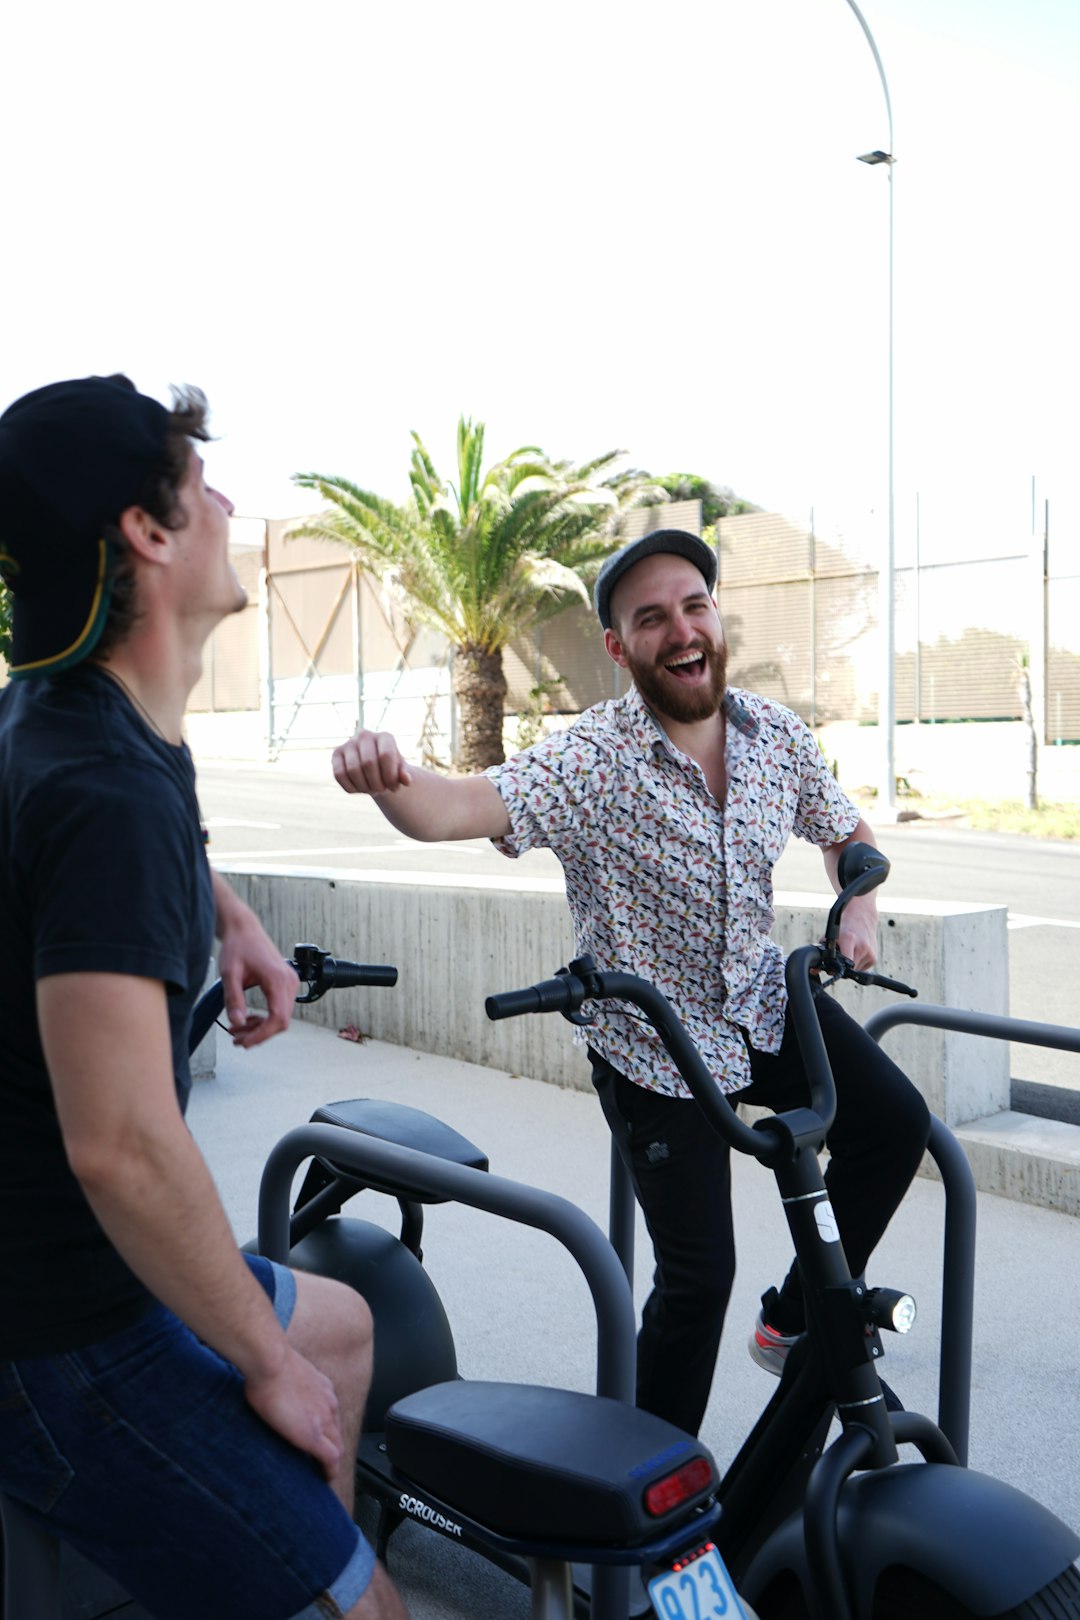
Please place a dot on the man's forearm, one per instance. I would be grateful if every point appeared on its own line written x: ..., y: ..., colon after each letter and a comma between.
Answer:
x: 861, y: 833
x: 229, y: 910
x: 160, y: 1209
x: 417, y: 802
x: 859, y: 925
x: 249, y: 957
x: 428, y: 808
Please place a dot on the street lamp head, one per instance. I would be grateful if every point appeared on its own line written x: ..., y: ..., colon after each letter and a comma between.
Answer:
x: 876, y: 157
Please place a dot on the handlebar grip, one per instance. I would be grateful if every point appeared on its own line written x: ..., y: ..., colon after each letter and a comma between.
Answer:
x: 512, y: 1003
x: 882, y: 983
x: 551, y: 995
x: 337, y: 975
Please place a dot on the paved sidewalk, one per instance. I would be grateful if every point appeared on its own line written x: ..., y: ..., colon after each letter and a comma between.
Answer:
x: 520, y: 1310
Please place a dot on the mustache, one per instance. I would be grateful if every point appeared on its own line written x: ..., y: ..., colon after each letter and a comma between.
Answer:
x: 706, y: 651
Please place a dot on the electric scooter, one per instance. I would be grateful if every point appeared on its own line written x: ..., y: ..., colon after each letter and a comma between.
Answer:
x: 840, y: 1531
x: 843, y: 1530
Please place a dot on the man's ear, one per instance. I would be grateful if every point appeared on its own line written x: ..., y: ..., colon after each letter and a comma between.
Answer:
x: 143, y: 533
x: 615, y: 648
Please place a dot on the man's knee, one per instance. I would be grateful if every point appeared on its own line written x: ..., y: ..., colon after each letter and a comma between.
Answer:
x: 331, y: 1322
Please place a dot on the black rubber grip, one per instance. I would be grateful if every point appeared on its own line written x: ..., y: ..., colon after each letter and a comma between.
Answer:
x: 551, y: 995
x: 339, y: 975
x: 511, y: 1003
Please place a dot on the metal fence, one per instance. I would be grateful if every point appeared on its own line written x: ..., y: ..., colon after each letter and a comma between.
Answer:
x: 320, y: 647
x: 801, y: 614
x: 323, y: 645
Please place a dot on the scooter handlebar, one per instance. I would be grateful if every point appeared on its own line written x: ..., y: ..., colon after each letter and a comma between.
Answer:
x: 567, y: 992
x: 317, y: 971
x: 338, y: 975
x: 550, y: 995
x: 320, y: 972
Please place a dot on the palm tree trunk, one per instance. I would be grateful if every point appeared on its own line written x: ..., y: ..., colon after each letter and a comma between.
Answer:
x: 480, y: 689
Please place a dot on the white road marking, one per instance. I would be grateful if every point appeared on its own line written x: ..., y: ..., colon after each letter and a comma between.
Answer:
x: 1017, y: 921
x: 258, y: 826
x: 275, y: 854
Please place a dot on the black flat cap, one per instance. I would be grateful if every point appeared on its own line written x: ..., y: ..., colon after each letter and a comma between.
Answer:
x: 678, y: 542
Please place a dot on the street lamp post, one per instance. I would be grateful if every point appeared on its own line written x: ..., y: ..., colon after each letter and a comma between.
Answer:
x: 887, y: 592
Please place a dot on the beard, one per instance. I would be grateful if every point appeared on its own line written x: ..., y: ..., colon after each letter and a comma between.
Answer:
x: 668, y: 697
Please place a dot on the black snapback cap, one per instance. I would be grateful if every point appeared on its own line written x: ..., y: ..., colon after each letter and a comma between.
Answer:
x: 73, y: 456
x: 679, y: 542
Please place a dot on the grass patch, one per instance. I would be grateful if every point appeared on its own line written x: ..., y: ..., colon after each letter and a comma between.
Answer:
x: 1003, y: 815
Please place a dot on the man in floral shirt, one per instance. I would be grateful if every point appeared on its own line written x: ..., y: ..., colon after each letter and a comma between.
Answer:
x: 668, y: 809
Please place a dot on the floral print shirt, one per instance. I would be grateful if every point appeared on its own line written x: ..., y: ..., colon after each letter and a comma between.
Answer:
x: 665, y: 882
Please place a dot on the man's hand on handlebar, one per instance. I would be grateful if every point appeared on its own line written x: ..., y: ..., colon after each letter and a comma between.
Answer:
x: 370, y: 763
x: 248, y: 957
x: 857, y: 939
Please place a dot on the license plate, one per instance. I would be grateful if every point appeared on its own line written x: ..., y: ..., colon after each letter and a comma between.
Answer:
x: 697, y: 1588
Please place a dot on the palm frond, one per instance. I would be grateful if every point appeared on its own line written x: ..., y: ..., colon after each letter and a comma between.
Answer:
x: 508, y: 546
x: 470, y: 456
x: 589, y: 469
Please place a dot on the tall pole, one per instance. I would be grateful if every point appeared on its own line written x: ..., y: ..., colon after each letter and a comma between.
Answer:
x: 887, y: 592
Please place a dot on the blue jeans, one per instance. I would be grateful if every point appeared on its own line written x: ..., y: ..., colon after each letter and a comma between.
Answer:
x: 143, y: 1454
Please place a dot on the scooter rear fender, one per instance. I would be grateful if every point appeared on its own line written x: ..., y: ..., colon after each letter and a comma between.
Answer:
x: 989, y: 1546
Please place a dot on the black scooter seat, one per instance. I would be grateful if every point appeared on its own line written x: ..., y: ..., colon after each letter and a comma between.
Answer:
x: 541, y: 1464
x: 408, y: 1127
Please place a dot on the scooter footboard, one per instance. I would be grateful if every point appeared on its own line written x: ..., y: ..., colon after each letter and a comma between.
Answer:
x: 988, y: 1546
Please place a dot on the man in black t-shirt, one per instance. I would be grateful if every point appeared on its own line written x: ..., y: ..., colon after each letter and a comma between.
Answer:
x: 185, y: 1415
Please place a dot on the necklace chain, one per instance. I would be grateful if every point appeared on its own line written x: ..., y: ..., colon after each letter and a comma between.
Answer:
x: 135, y: 702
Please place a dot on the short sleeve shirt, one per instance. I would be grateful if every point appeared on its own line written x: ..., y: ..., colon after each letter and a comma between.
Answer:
x: 665, y: 882
x: 102, y: 870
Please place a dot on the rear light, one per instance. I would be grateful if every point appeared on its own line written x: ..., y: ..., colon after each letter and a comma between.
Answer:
x: 674, y: 1489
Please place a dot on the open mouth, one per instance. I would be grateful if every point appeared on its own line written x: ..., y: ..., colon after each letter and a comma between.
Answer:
x: 687, y: 666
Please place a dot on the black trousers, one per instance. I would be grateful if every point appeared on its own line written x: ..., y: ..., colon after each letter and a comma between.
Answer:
x: 682, y: 1179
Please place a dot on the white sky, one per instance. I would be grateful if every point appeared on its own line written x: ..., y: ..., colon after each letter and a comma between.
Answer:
x: 591, y: 225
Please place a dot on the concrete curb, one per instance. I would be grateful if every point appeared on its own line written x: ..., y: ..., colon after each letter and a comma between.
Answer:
x: 455, y: 943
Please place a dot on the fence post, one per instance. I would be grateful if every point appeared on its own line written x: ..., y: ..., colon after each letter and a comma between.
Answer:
x: 1040, y: 628
x: 358, y: 642
x: 266, y: 656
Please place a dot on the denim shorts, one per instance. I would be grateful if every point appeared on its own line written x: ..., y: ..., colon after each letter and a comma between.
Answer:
x: 143, y: 1454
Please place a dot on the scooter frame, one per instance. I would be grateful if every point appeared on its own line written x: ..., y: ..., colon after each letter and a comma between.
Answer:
x: 979, y: 1541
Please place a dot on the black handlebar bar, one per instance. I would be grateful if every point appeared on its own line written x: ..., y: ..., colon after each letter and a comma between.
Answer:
x: 861, y: 868
x: 562, y: 995
x: 322, y: 972
x: 315, y: 968
x: 583, y: 981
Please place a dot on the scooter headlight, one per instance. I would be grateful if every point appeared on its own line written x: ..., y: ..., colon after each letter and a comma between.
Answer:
x: 891, y: 1309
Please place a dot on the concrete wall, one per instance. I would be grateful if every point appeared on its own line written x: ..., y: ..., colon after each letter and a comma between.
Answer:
x: 455, y: 944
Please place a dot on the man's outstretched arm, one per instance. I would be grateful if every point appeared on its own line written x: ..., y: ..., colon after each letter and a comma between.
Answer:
x: 419, y: 803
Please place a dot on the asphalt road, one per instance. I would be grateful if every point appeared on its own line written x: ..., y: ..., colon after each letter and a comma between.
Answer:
x: 293, y: 814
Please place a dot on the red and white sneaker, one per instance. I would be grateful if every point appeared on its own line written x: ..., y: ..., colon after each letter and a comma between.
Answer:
x: 769, y: 1348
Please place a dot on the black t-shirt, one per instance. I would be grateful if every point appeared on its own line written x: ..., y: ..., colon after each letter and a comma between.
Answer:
x: 102, y: 869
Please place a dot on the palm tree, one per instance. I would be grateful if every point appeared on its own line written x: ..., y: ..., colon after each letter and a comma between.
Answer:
x: 485, y: 560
